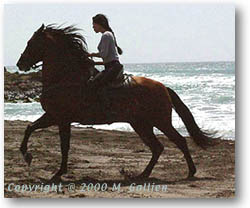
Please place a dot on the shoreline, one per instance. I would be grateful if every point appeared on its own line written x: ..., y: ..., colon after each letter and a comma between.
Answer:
x: 80, y: 126
x: 99, y: 156
x: 26, y: 88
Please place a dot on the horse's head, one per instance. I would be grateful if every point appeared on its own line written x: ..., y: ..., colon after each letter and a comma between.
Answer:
x: 34, y: 50
x: 63, y: 49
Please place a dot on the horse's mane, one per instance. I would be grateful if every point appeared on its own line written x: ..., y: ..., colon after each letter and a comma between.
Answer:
x: 74, y: 43
x: 70, y: 38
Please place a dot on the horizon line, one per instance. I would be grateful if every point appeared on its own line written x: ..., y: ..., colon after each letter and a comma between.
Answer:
x: 167, y: 62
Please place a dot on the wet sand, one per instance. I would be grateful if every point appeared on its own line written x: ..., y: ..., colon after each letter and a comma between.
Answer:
x: 98, y: 160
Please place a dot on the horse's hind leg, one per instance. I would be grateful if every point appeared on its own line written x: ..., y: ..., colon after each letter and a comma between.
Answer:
x: 180, y: 142
x: 145, y: 131
x: 43, y: 122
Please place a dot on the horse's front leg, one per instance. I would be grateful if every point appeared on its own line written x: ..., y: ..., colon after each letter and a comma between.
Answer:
x: 64, y: 132
x: 44, y: 121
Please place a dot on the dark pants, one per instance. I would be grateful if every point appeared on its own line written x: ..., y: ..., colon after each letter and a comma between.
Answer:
x: 101, y: 80
x: 111, y: 71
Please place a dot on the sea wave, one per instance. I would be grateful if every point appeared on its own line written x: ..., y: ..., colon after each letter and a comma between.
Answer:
x: 204, y: 118
x: 208, y: 89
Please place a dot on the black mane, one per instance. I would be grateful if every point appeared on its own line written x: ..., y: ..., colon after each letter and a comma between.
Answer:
x: 74, y: 43
x: 71, y: 38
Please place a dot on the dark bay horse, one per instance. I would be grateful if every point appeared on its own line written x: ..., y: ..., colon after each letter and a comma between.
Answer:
x: 66, y: 98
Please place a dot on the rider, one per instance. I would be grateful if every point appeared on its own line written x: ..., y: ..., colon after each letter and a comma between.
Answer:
x: 108, y: 51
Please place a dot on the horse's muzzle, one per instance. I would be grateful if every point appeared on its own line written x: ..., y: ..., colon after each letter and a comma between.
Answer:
x: 22, y: 66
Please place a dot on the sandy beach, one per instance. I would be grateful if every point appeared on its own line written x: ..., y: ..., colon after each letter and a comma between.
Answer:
x: 98, y: 160
x: 67, y: 61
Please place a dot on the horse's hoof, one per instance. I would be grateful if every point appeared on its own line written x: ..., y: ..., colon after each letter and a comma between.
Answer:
x: 58, y: 174
x: 143, y: 176
x: 56, y: 178
x: 139, y: 177
x: 191, y: 173
x: 191, y: 177
x: 28, y: 158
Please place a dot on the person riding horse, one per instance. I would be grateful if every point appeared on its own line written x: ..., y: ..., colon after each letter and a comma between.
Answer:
x: 108, y: 51
x: 147, y: 104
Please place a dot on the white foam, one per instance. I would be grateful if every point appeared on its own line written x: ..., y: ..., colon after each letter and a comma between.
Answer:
x: 207, y: 90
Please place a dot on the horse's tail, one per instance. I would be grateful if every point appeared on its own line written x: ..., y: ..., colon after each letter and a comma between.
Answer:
x: 201, y: 138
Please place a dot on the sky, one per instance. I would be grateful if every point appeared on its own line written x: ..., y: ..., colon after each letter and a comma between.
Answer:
x: 147, y: 32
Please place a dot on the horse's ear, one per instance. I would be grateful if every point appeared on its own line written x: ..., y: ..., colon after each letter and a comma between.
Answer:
x: 41, y: 28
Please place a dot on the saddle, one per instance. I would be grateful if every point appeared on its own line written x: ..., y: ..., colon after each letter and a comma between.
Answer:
x: 121, y: 81
x: 119, y: 87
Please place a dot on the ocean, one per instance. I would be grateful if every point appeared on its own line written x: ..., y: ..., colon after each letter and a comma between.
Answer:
x: 207, y: 88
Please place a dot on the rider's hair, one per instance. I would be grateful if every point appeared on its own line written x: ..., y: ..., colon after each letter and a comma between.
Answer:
x: 102, y: 20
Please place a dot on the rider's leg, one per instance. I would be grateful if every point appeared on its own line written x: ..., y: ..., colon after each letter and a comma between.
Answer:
x: 100, y: 83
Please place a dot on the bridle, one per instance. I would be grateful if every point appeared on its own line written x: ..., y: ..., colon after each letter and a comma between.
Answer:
x: 34, y: 66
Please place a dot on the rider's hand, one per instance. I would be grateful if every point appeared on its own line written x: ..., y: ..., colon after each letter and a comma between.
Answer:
x: 91, y: 54
x: 92, y: 62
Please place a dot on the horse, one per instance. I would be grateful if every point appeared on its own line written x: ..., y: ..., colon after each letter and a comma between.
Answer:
x: 66, y: 98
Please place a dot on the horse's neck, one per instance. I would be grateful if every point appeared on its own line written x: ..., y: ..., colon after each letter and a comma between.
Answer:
x: 58, y: 69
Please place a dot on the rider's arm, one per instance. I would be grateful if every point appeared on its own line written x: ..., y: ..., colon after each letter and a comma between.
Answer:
x: 104, y: 46
x: 99, y: 63
x: 94, y: 55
